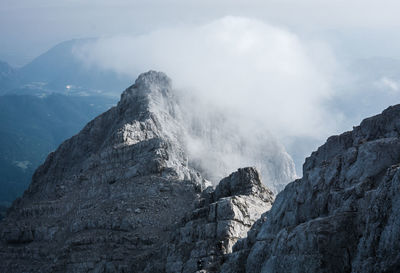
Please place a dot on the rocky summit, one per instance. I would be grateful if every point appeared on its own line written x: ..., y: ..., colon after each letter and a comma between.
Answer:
x: 122, y: 196
x: 109, y: 197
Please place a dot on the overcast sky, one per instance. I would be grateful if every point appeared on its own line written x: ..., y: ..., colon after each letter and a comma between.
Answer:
x: 355, y: 28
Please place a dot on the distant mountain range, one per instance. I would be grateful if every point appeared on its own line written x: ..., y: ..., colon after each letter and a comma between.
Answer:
x: 8, y: 78
x: 52, y: 97
x: 31, y: 127
x: 43, y: 103
x: 59, y: 70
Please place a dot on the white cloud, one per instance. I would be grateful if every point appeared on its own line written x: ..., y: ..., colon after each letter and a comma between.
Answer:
x: 389, y: 84
x: 250, y: 85
x: 259, y: 70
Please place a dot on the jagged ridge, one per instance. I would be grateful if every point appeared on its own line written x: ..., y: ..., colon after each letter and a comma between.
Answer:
x: 221, y: 217
x: 108, y: 199
x: 120, y: 184
x: 121, y: 197
x: 342, y: 216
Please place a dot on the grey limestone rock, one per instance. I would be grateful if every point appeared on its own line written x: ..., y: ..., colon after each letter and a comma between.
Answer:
x: 342, y: 216
x: 122, y: 196
x: 221, y: 218
x: 106, y: 199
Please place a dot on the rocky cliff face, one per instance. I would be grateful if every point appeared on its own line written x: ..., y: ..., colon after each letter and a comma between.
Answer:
x: 109, y: 198
x: 221, y: 217
x: 342, y: 216
x: 121, y: 196
x: 111, y: 192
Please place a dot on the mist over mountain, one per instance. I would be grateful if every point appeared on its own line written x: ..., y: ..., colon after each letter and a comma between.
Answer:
x: 167, y: 136
x: 293, y: 87
x: 61, y: 71
x: 44, y: 103
x: 126, y: 195
x: 372, y: 85
x: 132, y: 155
x: 58, y: 70
x: 8, y: 77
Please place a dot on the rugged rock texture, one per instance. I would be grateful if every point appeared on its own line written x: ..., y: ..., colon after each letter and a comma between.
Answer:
x: 342, y: 216
x: 121, y: 197
x: 111, y: 198
x: 221, y: 218
x: 108, y: 198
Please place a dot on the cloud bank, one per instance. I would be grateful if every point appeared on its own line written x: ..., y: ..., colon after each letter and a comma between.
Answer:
x: 249, y: 81
x: 259, y: 70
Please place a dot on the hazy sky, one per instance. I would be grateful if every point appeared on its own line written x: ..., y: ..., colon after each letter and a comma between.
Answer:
x: 355, y: 28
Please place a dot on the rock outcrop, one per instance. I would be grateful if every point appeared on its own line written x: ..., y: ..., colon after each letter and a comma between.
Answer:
x: 342, y: 216
x: 108, y: 198
x: 220, y: 219
x: 121, y: 196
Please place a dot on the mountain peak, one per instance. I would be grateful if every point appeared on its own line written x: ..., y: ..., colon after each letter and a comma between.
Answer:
x: 246, y: 181
x: 123, y: 180
x: 149, y: 83
x: 126, y: 181
x: 151, y: 92
x: 153, y: 78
